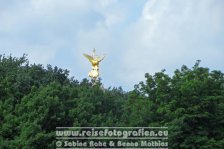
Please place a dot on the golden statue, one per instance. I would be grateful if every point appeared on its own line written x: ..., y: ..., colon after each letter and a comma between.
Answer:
x: 94, y: 60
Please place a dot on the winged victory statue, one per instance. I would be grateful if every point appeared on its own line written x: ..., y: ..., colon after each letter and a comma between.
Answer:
x: 95, y: 61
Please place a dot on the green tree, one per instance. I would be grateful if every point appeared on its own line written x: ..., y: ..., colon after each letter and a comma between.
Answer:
x: 190, y: 104
x: 35, y: 100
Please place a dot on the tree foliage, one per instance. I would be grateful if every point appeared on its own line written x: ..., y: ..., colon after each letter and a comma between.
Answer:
x: 35, y: 100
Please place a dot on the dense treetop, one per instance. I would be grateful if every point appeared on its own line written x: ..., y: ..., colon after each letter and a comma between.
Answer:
x: 35, y: 100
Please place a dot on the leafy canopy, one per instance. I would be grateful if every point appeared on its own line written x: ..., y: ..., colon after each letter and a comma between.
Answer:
x: 34, y: 100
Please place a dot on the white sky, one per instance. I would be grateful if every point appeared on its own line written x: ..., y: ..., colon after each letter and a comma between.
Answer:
x: 138, y: 36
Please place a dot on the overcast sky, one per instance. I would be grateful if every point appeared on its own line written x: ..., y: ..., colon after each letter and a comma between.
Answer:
x: 137, y: 36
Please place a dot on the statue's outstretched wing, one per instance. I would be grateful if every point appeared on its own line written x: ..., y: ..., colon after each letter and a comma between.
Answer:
x: 90, y: 58
x: 100, y: 58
